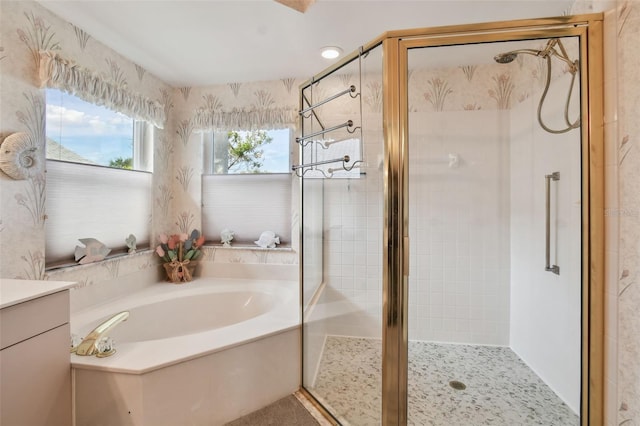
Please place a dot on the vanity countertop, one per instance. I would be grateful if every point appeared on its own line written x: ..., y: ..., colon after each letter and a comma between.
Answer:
x: 13, y: 291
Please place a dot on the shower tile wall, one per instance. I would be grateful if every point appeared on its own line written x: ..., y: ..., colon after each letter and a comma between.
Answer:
x: 545, y: 307
x: 468, y: 300
x: 353, y: 243
x: 459, y: 227
x: 459, y: 278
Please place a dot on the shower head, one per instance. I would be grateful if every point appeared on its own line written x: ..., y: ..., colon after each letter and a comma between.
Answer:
x: 505, y: 58
x: 508, y: 57
x: 546, y: 53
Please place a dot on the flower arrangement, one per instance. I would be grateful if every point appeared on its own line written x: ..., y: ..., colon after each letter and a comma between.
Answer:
x: 178, y: 251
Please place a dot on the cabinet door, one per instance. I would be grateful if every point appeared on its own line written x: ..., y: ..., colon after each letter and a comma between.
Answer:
x: 35, y: 381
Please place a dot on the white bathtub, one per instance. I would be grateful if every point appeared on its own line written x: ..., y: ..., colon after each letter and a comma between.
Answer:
x: 193, y: 353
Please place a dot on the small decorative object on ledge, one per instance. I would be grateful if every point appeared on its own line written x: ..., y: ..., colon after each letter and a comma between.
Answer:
x: 131, y: 243
x: 93, y: 251
x: 268, y: 239
x: 179, y: 251
x: 226, y: 236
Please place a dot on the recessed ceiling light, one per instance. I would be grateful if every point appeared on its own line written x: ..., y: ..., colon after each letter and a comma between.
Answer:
x: 330, y: 52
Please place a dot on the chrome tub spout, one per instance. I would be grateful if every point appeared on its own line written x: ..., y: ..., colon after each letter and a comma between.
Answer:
x: 89, y: 345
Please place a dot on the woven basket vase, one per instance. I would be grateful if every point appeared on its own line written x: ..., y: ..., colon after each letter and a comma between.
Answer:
x: 179, y: 272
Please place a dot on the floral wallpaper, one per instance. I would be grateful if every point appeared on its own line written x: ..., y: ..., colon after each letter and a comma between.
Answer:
x: 25, y: 29
x: 475, y: 87
x: 627, y: 16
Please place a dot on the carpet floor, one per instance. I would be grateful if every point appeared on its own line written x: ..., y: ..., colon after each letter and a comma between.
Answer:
x: 287, y: 411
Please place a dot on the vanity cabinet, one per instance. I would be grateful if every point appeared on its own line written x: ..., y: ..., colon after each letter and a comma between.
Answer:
x: 35, y: 369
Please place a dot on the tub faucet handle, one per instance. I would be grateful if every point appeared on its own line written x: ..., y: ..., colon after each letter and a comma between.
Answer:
x: 89, y: 345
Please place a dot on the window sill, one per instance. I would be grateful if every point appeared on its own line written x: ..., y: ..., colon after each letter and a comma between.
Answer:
x: 241, y: 246
x: 117, y: 255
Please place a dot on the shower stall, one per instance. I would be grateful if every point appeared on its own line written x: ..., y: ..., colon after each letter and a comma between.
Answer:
x: 452, y: 225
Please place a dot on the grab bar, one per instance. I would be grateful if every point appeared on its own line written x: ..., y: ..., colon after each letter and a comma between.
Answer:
x: 351, y: 89
x: 348, y: 123
x: 555, y: 176
x: 344, y: 159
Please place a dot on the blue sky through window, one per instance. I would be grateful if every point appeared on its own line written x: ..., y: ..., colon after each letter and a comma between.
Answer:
x: 100, y: 135
x: 93, y: 132
x: 276, y: 153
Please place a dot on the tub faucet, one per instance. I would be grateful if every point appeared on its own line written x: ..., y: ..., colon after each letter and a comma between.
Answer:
x: 89, y: 345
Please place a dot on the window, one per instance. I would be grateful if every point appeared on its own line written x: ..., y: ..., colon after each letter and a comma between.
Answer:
x: 247, y: 184
x: 80, y: 132
x: 85, y: 201
x: 239, y: 151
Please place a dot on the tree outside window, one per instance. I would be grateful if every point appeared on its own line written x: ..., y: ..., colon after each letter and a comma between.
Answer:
x: 256, y: 151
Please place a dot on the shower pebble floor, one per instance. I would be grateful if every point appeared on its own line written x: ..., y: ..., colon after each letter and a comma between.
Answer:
x: 500, y: 388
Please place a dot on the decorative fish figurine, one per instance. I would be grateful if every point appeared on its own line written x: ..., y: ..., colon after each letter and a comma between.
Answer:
x: 268, y: 239
x: 93, y: 251
x: 131, y: 243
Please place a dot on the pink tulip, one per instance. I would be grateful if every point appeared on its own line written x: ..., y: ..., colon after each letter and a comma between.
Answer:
x: 160, y: 252
x: 163, y: 238
x: 172, y: 242
x: 183, y: 237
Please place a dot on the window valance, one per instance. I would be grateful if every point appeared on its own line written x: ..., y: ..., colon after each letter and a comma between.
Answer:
x: 245, y: 119
x: 60, y: 73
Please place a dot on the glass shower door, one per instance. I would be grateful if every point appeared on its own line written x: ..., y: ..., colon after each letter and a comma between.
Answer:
x: 494, y: 335
x: 342, y: 209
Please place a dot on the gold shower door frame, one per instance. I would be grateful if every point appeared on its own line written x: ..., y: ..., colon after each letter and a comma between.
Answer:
x: 396, y: 46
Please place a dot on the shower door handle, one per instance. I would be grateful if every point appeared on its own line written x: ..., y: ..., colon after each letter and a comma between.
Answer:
x: 555, y: 176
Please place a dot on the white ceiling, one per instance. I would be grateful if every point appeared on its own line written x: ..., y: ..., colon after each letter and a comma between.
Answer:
x: 205, y: 42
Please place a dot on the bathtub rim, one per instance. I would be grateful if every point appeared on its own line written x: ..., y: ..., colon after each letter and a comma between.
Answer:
x: 146, y: 356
